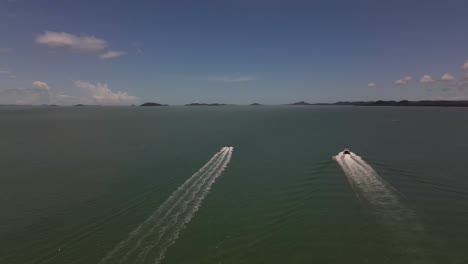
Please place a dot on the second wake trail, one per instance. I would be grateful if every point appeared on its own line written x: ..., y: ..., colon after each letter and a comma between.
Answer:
x: 409, y: 235
x: 150, y: 240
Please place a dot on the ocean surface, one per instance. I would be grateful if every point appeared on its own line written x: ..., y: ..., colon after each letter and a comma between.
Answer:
x: 233, y: 184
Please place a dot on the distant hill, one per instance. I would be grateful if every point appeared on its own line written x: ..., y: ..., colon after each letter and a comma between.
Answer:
x: 443, y: 103
x: 153, y: 104
x: 255, y: 104
x: 87, y: 105
x: 300, y: 103
x: 204, y: 104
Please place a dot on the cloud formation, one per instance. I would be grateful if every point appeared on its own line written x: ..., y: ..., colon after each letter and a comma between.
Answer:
x: 65, y: 99
x: 102, y: 94
x: 405, y: 80
x: 89, y: 44
x: 7, y: 73
x: 447, y: 77
x: 67, y: 40
x: 463, y: 84
x: 41, y: 85
x: 111, y: 54
x: 372, y: 85
x: 27, y: 96
x: 426, y: 79
x: 42, y: 94
x: 465, y: 66
x: 447, y: 81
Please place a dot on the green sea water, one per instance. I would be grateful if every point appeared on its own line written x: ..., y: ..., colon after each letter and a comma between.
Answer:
x: 77, y: 182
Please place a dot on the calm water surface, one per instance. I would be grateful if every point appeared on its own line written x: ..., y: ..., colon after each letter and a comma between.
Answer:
x: 76, y: 181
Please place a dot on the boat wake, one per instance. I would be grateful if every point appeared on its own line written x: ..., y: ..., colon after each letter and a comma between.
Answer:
x: 386, y: 202
x: 150, y: 240
x: 369, y: 185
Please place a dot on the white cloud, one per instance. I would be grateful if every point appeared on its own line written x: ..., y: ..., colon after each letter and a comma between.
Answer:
x: 102, y: 94
x: 372, y: 85
x: 67, y: 40
x: 451, y: 98
x: 399, y: 82
x: 405, y: 80
x: 230, y: 79
x: 465, y: 66
x: 7, y: 73
x: 42, y: 94
x: 25, y: 96
x: 39, y: 94
x: 462, y: 85
x: 426, y: 79
x: 111, y: 54
x: 41, y: 85
x: 447, y: 77
x: 65, y: 99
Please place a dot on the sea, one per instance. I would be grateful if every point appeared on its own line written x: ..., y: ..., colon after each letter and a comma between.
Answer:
x: 233, y: 184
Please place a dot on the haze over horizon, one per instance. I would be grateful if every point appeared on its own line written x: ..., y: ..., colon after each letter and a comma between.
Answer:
x: 239, y: 52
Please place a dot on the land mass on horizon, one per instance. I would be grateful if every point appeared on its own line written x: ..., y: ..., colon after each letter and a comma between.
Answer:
x: 444, y: 103
x: 204, y: 104
x: 153, y: 104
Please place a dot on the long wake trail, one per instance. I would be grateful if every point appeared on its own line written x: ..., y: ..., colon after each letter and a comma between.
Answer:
x: 150, y: 240
x: 386, y: 201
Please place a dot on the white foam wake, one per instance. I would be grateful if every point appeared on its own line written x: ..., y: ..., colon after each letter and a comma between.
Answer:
x: 386, y: 201
x: 150, y: 240
x: 367, y: 182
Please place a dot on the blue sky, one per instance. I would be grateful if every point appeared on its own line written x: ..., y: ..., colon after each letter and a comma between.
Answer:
x: 275, y: 51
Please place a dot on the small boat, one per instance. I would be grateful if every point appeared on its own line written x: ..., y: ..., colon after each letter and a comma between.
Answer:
x: 346, y: 151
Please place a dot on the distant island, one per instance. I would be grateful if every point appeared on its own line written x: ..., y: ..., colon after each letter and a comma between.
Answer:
x: 443, y: 103
x: 88, y: 105
x: 204, y: 104
x: 153, y: 104
x: 432, y: 103
x: 301, y: 103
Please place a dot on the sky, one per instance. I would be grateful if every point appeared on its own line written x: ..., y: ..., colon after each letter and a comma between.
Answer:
x: 241, y: 51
